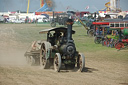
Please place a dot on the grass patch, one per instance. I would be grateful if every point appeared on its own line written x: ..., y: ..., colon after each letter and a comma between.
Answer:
x: 30, y: 32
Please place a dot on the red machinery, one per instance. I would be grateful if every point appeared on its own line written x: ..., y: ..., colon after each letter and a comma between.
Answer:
x: 121, y: 26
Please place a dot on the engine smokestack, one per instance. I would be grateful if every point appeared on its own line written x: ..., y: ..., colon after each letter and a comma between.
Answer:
x: 69, y: 30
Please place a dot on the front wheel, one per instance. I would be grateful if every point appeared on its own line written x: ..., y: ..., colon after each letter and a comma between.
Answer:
x: 81, y: 62
x: 97, y: 40
x: 90, y: 32
x: 119, y: 45
x: 57, y: 62
x: 53, y: 24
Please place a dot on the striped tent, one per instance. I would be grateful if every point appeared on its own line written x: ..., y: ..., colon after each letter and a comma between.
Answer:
x: 44, y: 8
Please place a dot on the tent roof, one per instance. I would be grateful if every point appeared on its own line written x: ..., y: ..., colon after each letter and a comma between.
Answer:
x: 44, y: 8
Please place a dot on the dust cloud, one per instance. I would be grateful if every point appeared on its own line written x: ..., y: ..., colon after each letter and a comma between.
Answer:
x: 12, y: 57
x: 11, y: 51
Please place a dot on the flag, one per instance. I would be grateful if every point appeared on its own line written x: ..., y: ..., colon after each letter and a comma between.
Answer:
x: 87, y: 7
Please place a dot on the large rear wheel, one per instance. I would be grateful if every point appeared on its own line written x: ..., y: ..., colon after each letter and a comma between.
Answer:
x: 44, y: 57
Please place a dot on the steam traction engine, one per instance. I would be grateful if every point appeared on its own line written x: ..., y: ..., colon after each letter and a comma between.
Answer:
x: 59, y: 18
x: 59, y: 50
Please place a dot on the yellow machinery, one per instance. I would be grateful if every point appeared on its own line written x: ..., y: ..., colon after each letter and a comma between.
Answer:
x: 28, y: 6
x: 107, y: 5
x: 113, y: 5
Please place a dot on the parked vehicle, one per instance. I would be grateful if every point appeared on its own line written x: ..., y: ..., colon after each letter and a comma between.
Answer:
x: 2, y: 19
x: 44, y: 19
x: 18, y: 21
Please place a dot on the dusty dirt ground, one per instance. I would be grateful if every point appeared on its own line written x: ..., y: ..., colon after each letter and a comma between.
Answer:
x: 15, y: 71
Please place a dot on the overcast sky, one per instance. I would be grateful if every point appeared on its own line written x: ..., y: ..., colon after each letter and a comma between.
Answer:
x: 60, y: 5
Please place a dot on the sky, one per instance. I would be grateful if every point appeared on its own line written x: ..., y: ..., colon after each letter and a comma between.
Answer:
x: 59, y: 5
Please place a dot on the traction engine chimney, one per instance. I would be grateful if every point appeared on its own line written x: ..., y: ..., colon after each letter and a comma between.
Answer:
x: 69, y: 30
